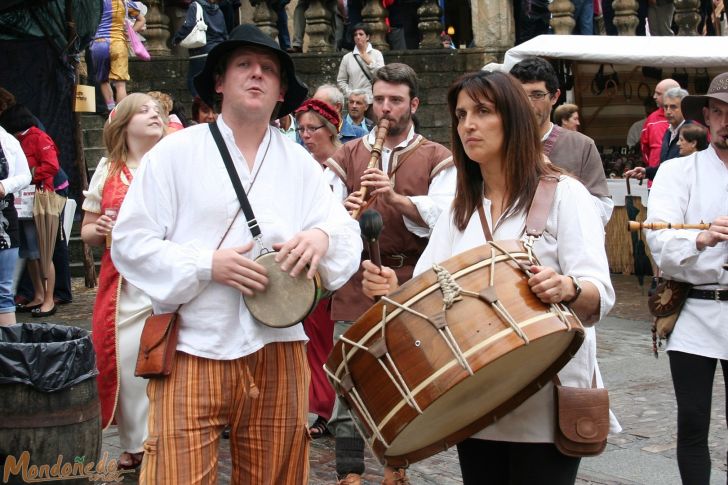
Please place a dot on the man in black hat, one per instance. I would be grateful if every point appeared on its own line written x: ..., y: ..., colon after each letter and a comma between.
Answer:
x: 691, y: 190
x: 181, y: 239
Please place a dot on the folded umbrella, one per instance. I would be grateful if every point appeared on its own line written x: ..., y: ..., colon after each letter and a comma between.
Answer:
x: 642, y: 266
x: 47, y: 208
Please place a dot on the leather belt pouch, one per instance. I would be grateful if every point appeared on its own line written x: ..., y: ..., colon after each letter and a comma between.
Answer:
x: 158, y: 346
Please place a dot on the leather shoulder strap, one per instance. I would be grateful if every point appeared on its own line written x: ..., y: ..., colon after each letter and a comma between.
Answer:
x: 541, y: 205
x: 548, y: 145
x: 237, y: 185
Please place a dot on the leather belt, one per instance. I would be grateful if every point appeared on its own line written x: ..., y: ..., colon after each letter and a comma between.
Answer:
x: 716, y: 295
x: 395, y: 261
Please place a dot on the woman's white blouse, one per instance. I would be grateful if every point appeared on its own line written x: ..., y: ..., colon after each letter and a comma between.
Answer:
x: 572, y: 244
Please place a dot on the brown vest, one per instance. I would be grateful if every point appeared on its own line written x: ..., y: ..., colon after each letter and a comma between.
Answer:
x: 412, y: 168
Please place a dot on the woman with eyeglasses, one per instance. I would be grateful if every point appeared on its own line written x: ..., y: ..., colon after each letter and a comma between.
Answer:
x: 317, y: 125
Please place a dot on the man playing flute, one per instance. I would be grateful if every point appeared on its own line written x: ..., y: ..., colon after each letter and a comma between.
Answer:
x: 412, y: 184
x: 690, y: 190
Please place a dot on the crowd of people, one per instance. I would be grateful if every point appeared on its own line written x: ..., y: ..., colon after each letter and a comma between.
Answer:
x: 304, y: 165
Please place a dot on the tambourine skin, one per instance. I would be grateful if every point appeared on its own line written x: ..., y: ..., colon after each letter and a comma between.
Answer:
x: 286, y: 301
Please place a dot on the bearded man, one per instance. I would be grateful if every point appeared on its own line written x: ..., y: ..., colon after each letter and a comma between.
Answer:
x: 412, y: 184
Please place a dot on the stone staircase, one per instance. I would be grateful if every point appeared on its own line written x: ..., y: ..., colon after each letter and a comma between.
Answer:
x: 93, y: 142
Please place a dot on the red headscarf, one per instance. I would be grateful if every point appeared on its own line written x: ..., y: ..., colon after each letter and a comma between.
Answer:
x: 322, y: 108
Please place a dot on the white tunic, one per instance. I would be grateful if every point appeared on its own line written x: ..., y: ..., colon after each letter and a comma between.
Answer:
x: 575, y: 224
x: 692, y: 189
x: 178, y: 208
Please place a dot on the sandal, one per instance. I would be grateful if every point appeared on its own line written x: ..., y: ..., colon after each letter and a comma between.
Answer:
x: 130, y: 461
x: 318, y: 429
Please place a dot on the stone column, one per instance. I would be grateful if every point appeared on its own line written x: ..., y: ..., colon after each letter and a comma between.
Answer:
x: 493, y: 26
x: 318, y: 27
x: 373, y: 15
x: 157, y: 32
x: 625, y: 16
x: 687, y: 16
x: 429, y: 24
x: 562, y: 17
x: 265, y: 18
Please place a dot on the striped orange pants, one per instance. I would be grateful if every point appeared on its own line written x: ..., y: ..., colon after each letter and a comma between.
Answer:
x: 264, y: 399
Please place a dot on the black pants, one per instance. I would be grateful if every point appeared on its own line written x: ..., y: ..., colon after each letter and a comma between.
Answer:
x: 692, y: 377
x: 485, y: 462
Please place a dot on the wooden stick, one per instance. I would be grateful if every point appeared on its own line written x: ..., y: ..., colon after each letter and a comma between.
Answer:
x: 654, y: 226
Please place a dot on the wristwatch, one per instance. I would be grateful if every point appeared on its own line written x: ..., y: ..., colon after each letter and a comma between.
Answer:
x: 577, y: 287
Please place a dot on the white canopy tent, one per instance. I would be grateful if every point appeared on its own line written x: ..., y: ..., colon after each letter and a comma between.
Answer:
x: 679, y: 51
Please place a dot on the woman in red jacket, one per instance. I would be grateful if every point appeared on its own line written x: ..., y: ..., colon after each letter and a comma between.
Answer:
x: 42, y: 155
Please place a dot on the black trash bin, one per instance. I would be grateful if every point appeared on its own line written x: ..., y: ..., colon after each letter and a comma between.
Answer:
x: 50, y: 416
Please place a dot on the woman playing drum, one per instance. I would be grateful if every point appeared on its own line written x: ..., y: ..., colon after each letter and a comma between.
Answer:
x: 497, y: 151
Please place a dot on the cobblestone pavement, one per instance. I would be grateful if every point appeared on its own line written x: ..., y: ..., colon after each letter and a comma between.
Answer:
x: 640, y: 391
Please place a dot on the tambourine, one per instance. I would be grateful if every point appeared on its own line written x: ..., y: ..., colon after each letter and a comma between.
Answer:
x: 287, y: 300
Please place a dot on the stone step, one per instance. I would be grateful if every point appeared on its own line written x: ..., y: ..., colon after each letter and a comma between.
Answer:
x: 93, y: 155
x: 75, y: 252
x: 93, y: 137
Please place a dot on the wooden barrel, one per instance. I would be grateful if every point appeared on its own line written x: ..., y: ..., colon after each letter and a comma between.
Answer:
x: 63, y: 426
x: 45, y: 435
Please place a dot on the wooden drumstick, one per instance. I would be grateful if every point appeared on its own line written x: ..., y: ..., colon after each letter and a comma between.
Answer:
x: 371, y: 225
x: 655, y: 226
x: 381, y: 134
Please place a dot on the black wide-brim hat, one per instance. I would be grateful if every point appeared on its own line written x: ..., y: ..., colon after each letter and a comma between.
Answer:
x: 250, y: 35
x: 692, y: 106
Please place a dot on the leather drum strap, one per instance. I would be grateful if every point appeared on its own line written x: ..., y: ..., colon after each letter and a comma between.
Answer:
x: 538, y: 213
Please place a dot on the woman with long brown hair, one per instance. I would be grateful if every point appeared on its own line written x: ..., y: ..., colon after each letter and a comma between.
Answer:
x: 133, y: 128
x: 497, y: 152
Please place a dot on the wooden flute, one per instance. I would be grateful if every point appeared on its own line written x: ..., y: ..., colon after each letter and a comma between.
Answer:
x: 381, y: 134
x: 654, y: 226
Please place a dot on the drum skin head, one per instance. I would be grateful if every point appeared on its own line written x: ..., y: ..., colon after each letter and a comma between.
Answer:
x: 286, y: 301
x: 400, y: 355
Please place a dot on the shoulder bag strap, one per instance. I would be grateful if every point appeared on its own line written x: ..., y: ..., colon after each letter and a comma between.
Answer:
x: 237, y: 185
x: 363, y: 67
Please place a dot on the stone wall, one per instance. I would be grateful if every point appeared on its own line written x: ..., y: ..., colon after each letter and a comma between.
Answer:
x: 436, y: 69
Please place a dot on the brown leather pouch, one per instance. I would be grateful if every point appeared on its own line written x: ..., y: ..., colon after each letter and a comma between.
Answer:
x: 665, y: 305
x: 158, y: 346
x: 582, y: 420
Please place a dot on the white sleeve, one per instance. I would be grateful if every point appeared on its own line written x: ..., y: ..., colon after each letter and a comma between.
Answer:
x: 168, y: 272
x: 92, y: 201
x: 342, y: 79
x: 345, y: 244
x: 337, y: 185
x: 438, y: 199
x: 580, y: 241
x: 605, y: 207
x: 439, y: 247
x: 674, y: 250
x: 18, y: 172
x: 377, y: 60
